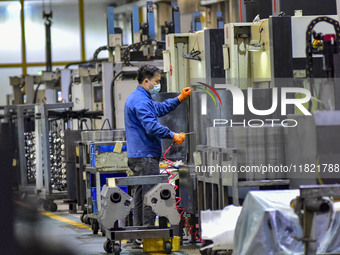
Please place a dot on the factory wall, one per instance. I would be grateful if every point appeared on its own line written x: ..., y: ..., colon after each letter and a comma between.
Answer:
x: 66, y: 30
x: 65, y: 33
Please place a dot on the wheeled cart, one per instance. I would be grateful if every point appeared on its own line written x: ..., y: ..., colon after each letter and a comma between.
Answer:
x: 116, y: 205
x: 49, y: 154
x: 115, y: 236
x: 98, y: 160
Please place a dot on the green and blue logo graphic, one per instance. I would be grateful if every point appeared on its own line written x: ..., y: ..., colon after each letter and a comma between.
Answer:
x: 209, y: 93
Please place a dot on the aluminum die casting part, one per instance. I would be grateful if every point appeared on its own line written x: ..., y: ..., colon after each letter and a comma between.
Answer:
x: 161, y: 198
x: 116, y: 205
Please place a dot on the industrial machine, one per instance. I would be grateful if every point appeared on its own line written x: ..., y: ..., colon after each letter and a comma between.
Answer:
x: 116, y: 205
x: 102, y: 154
x: 193, y: 57
x: 258, y: 54
x: 248, y: 10
x: 66, y: 128
x: 313, y: 201
x: 27, y: 89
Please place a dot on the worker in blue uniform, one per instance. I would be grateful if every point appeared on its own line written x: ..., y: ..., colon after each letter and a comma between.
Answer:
x: 144, y: 134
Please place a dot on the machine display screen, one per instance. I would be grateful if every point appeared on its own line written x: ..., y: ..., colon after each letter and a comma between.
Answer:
x: 98, y: 94
x: 59, y: 96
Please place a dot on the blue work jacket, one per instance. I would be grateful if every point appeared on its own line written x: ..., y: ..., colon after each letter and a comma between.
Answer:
x: 143, y: 131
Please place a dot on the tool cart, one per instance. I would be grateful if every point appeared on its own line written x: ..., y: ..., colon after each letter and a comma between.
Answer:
x: 101, y: 160
x: 117, y: 205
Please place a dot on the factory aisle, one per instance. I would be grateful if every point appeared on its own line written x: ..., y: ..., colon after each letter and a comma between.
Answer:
x: 42, y: 232
x: 58, y: 231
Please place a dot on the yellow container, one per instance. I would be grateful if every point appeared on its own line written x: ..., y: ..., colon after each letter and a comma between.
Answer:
x: 157, y: 244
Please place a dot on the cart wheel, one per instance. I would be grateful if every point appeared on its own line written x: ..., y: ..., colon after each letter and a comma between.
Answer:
x: 46, y: 205
x: 53, y: 206
x: 117, y: 249
x: 86, y: 219
x: 108, y: 246
x: 167, y: 247
x: 82, y: 216
x: 95, y: 227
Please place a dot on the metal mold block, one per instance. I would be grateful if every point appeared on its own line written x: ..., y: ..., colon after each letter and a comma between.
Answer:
x: 115, y: 205
x: 161, y: 199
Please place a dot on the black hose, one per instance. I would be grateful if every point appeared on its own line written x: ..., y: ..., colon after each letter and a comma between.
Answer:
x: 22, y: 85
x: 309, y: 49
x: 85, y: 62
x: 36, y: 93
x: 112, y: 99
x: 96, y: 53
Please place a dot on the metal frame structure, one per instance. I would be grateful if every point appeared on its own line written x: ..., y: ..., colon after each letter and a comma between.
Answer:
x: 212, y: 188
x: 92, y: 180
x: 20, y: 110
x: 133, y: 232
x: 176, y: 17
x: 80, y: 167
x: 310, y: 202
x: 43, y: 182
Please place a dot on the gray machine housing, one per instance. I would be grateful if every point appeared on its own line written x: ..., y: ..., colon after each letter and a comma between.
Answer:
x: 116, y: 205
x: 162, y: 201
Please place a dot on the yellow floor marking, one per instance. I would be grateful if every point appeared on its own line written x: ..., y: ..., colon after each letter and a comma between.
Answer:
x: 54, y: 216
x: 57, y: 217
x: 66, y: 220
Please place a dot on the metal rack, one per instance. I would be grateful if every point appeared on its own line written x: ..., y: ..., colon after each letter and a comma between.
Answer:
x: 212, y: 187
x: 44, y: 188
x: 20, y: 113
x: 71, y: 138
x: 80, y: 180
x: 93, y: 164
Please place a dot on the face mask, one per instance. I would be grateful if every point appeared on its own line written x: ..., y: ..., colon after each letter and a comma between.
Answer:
x: 156, y: 89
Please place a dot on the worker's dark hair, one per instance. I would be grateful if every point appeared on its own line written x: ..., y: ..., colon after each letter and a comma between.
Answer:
x: 147, y: 71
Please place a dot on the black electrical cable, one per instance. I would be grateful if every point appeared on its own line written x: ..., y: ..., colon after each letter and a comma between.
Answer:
x: 112, y: 99
x: 97, y: 51
x: 309, y: 48
x: 36, y: 93
x: 22, y: 85
x: 94, y: 78
x: 134, y: 46
x: 85, y: 62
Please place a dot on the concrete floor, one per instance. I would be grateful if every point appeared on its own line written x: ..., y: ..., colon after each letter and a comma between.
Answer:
x: 40, y: 232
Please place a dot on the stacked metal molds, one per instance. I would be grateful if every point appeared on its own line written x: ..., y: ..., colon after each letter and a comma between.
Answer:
x: 57, y: 160
x: 103, y: 135
x: 30, y: 156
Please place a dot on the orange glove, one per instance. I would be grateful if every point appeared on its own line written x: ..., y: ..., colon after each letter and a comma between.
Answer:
x: 184, y: 94
x: 178, y: 138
